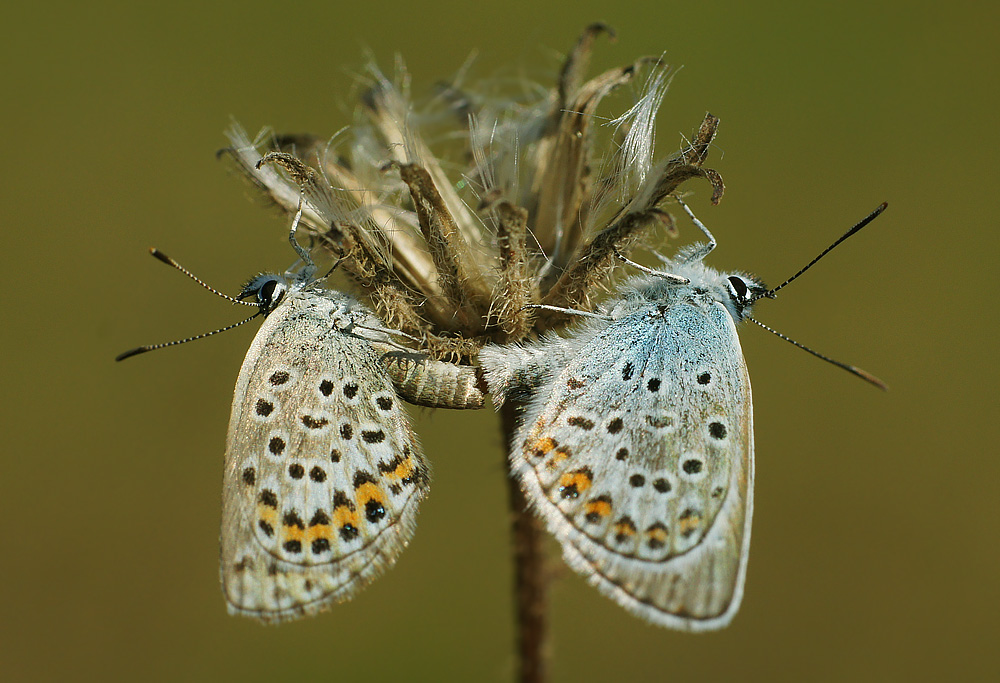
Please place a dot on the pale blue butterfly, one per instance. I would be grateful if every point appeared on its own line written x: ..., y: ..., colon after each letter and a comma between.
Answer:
x: 635, y: 444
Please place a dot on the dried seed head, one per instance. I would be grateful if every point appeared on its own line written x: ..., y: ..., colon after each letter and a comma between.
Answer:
x: 530, y: 208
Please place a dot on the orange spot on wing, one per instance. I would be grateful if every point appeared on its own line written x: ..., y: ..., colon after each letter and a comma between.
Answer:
x: 267, y: 514
x: 689, y: 523
x: 344, y: 515
x: 657, y: 533
x: 368, y: 492
x: 542, y: 446
x: 319, y: 531
x: 598, y: 507
x: 559, y: 455
x: 579, y: 479
x: 403, y: 470
x: 624, y: 527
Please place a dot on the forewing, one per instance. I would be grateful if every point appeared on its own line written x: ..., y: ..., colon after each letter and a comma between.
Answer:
x: 323, y: 474
x: 639, y: 455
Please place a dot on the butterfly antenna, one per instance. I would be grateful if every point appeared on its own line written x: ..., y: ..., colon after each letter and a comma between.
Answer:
x: 865, y: 221
x: 856, y: 371
x: 160, y: 256
x: 153, y: 347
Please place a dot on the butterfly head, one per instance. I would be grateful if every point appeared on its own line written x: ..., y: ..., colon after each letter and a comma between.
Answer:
x: 686, y: 278
x: 741, y: 292
x: 267, y: 289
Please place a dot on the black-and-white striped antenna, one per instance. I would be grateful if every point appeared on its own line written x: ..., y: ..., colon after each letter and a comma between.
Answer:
x: 853, y: 369
x: 769, y: 294
x: 160, y: 256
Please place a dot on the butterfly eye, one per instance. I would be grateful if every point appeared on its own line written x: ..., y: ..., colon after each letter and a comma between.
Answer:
x: 739, y: 287
x: 267, y: 289
x: 271, y: 293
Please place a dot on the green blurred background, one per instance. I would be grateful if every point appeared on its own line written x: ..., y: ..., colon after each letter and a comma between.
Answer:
x: 875, y: 545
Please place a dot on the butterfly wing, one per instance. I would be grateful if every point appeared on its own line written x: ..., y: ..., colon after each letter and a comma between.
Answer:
x: 323, y: 474
x: 639, y: 456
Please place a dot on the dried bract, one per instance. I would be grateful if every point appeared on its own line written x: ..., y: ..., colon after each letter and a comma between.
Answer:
x: 527, y: 202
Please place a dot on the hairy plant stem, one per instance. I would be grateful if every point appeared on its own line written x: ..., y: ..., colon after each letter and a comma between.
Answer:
x: 530, y: 575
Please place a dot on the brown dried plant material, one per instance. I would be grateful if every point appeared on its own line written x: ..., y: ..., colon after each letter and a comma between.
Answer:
x: 463, y: 286
x: 411, y: 262
x: 597, y: 258
x: 433, y: 268
x: 389, y: 112
x: 563, y: 181
x: 516, y: 286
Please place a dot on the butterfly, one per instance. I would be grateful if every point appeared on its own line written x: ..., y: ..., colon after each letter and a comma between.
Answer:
x: 323, y: 473
x: 635, y: 441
